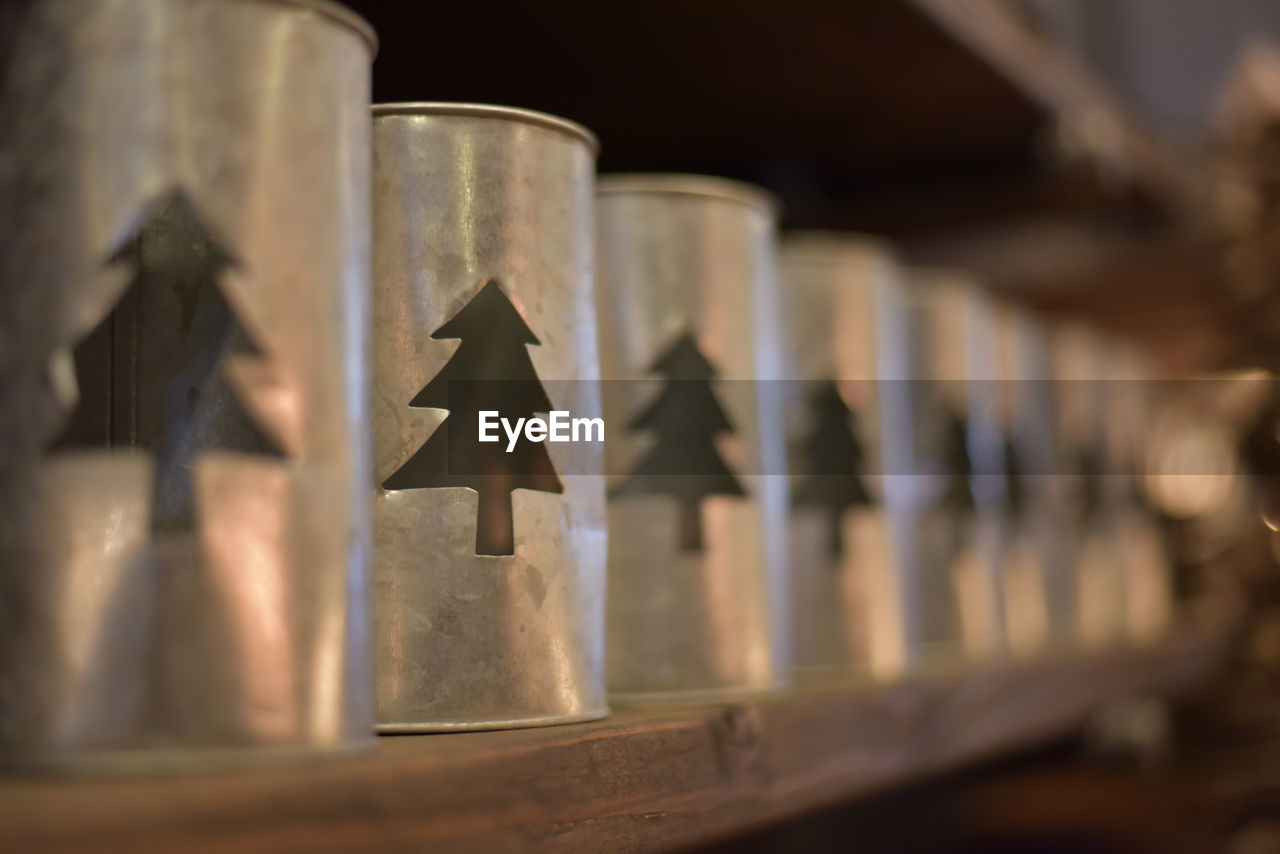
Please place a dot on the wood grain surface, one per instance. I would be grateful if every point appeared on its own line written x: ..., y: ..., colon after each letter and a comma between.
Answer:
x: 648, y: 778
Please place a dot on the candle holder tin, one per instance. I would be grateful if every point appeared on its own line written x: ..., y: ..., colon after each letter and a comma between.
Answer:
x: 933, y: 332
x: 489, y: 592
x: 846, y: 609
x: 1084, y: 397
x: 963, y: 463
x: 183, y: 492
x: 687, y: 296
x: 1039, y: 553
x: 1147, y: 600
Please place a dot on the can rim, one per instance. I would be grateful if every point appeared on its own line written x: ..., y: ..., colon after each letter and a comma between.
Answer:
x: 679, y: 184
x: 340, y: 14
x: 830, y: 246
x: 489, y: 111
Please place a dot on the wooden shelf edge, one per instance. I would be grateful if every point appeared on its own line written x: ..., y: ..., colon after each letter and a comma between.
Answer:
x: 645, y: 779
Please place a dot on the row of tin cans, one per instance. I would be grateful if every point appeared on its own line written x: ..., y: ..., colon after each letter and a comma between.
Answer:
x: 211, y: 355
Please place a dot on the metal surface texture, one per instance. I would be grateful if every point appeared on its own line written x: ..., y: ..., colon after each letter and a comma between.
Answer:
x: 489, y: 594
x: 183, y: 283
x: 845, y: 603
x: 688, y: 305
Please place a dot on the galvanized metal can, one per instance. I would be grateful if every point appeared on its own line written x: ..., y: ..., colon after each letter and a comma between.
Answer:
x: 934, y: 332
x: 1094, y: 501
x: 963, y: 467
x: 1039, y: 546
x: 489, y: 593
x: 846, y: 611
x: 1147, y: 606
x: 687, y: 295
x: 183, y: 479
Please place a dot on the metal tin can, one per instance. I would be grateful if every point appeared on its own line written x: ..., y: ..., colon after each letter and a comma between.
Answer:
x: 687, y: 295
x: 1039, y: 552
x: 845, y: 606
x: 933, y: 331
x: 183, y: 484
x: 489, y: 591
x: 963, y: 467
x: 1083, y: 397
x: 1146, y: 600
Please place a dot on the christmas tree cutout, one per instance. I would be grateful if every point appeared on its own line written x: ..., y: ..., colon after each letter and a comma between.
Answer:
x: 1090, y: 470
x: 833, y: 461
x: 173, y: 388
x: 686, y: 418
x: 1014, y: 485
x: 491, y: 370
x: 957, y: 496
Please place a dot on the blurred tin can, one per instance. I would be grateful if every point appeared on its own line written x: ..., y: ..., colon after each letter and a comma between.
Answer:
x: 1084, y: 397
x: 183, y: 487
x: 935, y: 334
x: 1146, y: 599
x: 844, y: 600
x: 963, y: 466
x: 489, y: 592
x: 687, y: 296
x: 1038, y: 539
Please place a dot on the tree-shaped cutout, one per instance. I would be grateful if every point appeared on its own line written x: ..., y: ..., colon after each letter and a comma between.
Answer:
x: 491, y: 370
x: 833, y: 461
x: 957, y: 468
x: 158, y: 373
x: 1015, y: 498
x: 1090, y: 471
x: 686, y: 418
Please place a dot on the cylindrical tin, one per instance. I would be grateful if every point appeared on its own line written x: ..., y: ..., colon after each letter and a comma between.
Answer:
x: 844, y: 598
x: 489, y: 592
x: 1146, y: 603
x: 183, y: 485
x: 964, y: 467
x: 1039, y: 551
x: 933, y: 333
x: 1082, y: 396
x: 687, y: 293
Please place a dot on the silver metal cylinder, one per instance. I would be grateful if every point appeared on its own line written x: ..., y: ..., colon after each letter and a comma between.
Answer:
x: 934, y: 337
x: 845, y: 603
x: 1084, y: 395
x: 1039, y: 549
x: 183, y: 485
x: 1147, y: 602
x: 687, y: 295
x: 489, y: 593
x: 963, y: 465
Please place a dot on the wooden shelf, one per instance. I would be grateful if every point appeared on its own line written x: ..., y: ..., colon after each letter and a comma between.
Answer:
x: 951, y: 127
x: 893, y: 117
x: 648, y: 778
